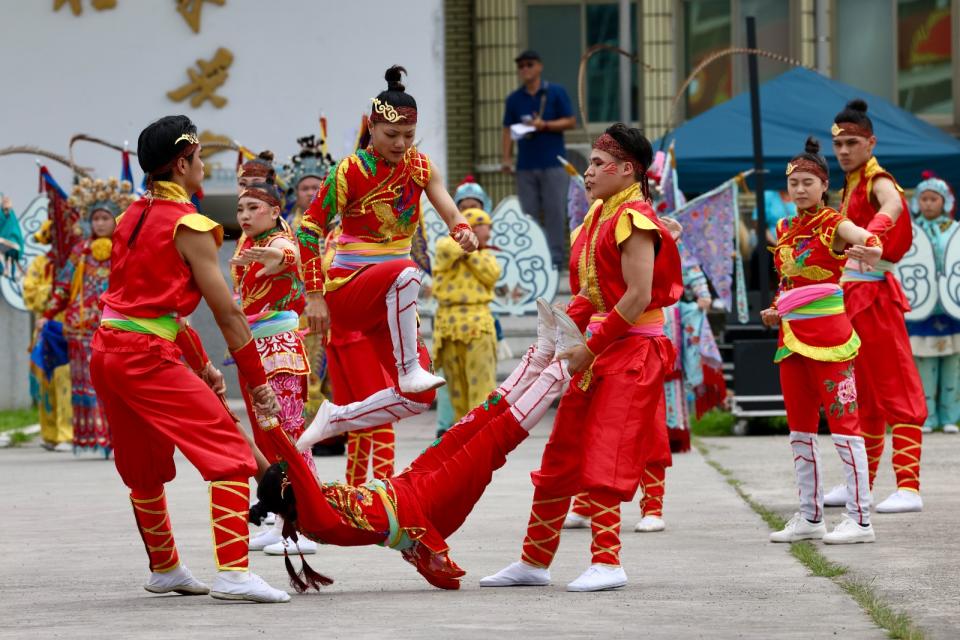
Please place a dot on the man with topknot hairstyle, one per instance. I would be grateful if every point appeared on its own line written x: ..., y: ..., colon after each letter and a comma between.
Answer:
x: 164, y: 261
x: 889, y: 391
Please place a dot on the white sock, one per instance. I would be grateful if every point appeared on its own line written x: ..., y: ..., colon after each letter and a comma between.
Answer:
x: 386, y: 405
x: 853, y: 453
x: 806, y: 461
x: 531, y: 364
x: 548, y: 386
x: 402, y: 319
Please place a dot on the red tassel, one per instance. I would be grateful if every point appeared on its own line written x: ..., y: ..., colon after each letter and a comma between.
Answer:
x: 311, y: 577
x: 298, y: 584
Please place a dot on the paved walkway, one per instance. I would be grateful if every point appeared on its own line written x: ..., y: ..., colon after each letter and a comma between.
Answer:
x: 72, y: 564
x: 915, y: 563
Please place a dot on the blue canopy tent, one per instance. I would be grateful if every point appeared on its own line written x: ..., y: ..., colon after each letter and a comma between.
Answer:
x: 717, y: 144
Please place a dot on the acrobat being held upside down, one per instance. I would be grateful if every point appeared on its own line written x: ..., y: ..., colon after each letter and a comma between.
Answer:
x: 416, y: 511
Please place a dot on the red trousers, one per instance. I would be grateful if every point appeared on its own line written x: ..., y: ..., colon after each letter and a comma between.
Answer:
x: 355, y: 372
x: 603, y: 437
x: 889, y: 390
x: 155, y: 403
x: 808, y: 384
x: 360, y: 306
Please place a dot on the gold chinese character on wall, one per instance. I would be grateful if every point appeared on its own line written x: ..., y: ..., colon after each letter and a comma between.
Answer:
x: 77, y: 7
x: 204, y: 83
x: 191, y: 10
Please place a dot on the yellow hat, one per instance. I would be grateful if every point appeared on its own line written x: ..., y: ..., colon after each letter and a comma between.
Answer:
x: 476, y: 216
x: 42, y: 235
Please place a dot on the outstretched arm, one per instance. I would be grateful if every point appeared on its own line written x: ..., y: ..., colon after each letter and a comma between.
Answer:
x: 441, y: 200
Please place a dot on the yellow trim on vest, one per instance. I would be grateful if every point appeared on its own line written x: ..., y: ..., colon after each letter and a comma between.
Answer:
x: 630, y: 220
x: 201, y: 223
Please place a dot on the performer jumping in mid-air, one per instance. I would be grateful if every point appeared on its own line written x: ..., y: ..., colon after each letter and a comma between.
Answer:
x: 610, y: 424
x: 889, y: 391
x: 372, y: 284
x: 417, y: 510
x: 817, y: 346
x: 164, y: 260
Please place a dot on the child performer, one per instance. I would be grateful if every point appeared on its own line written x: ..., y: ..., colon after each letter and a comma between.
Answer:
x: 266, y: 278
x: 817, y: 347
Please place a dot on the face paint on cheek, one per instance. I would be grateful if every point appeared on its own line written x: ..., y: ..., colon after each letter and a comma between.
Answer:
x: 610, y: 168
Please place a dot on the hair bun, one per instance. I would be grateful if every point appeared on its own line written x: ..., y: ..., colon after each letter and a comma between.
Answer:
x: 393, y: 76
x: 857, y: 105
x: 812, y: 146
x: 266, y: 155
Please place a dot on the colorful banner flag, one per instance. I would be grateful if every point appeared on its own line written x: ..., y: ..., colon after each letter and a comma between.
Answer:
x: 64, y: 219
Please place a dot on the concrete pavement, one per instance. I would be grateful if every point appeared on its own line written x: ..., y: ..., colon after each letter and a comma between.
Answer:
x: 72, y: 565
x: 915, y: 562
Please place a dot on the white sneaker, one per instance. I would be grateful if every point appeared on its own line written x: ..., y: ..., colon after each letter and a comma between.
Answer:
x: 576, y: 521
x: 901, y: 501
x: 317, y: 430
x: 650, y: 524
x: 303, y: 545
x: 799, y: 528
x: 951, y: 428
x: 599, y: 577
x: 568, y: 334
x: 243, y: 585
x: 67, y: 447
x: 836, y: 497
x: 418, y: 380
x: 265, y: 538
x: 178, y: 580
x: 270, y: 520
x: 926, y: 429
x: 518, y: 574
x: 849, y: 532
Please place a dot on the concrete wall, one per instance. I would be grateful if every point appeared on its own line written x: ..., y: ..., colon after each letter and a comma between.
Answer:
x: 14, y: 340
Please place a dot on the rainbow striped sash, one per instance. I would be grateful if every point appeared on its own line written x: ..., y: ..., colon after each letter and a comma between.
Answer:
x: 851, y: 272
x: 272, y: 323
x: 165, y: 327
x: 398, y: 538
x: 352, y: 254
x: 811, y: 301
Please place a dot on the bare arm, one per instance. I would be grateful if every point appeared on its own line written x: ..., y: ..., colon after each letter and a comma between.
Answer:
x: 849, y: 233
x: 199, y: 250
x: 888, y: 198
x: 560, y: 124
x: 636, y: 261
x: 447, y: 209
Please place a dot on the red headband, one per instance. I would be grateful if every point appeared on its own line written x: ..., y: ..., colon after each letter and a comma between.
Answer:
x: 255, y: 169
x: 262, y: 195
x: 607, y: 143
x: 808, y: 166
x: 850, y: 129
x: 383, y: 111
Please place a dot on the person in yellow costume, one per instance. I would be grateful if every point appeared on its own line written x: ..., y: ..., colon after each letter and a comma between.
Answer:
x: 53, y: 396
x: 465, y: 340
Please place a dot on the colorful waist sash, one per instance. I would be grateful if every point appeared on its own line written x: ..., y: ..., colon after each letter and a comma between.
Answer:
x: 272, y: 323
x: 851, y: 272
x: 353, y: 255
x: 165, y: 327
x: 814, y: 324
x: 649, y: 325
x: 397, y: 538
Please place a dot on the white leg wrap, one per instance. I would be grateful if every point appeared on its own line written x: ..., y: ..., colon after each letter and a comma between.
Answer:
x: 806, y: 461
x: 853, y: 453
x: 386, y: 405
x: 549, y: 385
x: 531, y: 364
x: 402, y: 319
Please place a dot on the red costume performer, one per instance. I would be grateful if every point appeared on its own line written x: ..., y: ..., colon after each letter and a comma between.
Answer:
x: 153, y: 402
x: 889, y: 388
x: 273, y: 304
x: 371, y: 286
x: 417, y: 510
x: 611, y: 422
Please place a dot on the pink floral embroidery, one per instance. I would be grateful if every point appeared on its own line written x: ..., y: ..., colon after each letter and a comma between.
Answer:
x: 845, y: 394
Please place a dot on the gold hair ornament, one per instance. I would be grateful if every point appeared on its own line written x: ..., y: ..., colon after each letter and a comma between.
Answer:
x: 189, y: 137
x: 387, y: 110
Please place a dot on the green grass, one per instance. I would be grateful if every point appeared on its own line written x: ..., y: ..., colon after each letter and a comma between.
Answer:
x: 898, y: 625
x: 713, y: 423
x: 17, y: 418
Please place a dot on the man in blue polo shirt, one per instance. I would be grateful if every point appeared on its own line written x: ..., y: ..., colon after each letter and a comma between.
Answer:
x: 546, y: 111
